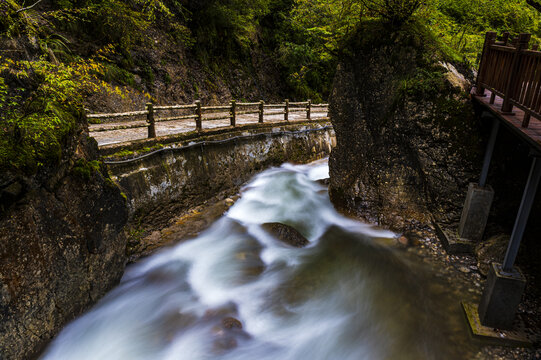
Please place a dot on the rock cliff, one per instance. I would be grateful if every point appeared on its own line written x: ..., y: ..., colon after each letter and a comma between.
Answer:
x: 407, y: 143
x: 61, y: 245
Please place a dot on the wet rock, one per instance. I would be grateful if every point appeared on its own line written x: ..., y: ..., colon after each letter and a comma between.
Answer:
x: 409, y: 238
x: 286, y: 234
x: 227, y: 335
x: 62, y: 246
x: 223, y: 311
x: 402, y: 240
x: 401, y: 153
x: 324, y: 182
x: 491, y: 250
x: 230, y: 323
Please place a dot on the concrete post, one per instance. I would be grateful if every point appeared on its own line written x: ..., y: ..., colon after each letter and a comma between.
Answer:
x: 505, y: 283
x: 501, y: 297
x: 475, y: 212
x: 479, y: 198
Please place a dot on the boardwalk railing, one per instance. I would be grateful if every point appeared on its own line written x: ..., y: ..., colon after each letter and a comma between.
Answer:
x: 510, y: 70
x: 200, y: 114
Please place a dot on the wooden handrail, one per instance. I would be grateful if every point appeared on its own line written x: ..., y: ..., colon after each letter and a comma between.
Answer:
x: 198, y: 112
x: 513, y: 72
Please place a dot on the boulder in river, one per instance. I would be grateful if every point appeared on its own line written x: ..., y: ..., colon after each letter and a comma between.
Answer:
x: 286, y: 234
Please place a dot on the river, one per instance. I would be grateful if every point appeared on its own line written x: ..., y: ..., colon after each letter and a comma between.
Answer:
x: 235, y: 292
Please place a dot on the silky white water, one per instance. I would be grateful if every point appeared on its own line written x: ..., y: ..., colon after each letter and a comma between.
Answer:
x: 343, y: 296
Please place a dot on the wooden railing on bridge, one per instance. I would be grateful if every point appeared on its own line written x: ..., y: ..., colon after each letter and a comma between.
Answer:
x: 201, y: 114
x: 512, y: 71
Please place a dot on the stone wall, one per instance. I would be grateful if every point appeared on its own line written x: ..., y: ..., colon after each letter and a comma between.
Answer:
x: 188, y: 175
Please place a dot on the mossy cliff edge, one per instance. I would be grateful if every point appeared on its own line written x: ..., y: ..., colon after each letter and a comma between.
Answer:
x: 407, y: 143
x: 61, y: 244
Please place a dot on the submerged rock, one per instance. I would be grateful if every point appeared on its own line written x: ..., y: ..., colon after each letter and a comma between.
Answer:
x: 407, y: 142
x: 286, y: 234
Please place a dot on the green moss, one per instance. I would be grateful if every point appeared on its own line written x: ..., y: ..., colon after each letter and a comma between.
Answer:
x: 124, y: 153
x: 148, y: 75
x: 167, y: 79
x: 115, y: 74
x: 86, y: 169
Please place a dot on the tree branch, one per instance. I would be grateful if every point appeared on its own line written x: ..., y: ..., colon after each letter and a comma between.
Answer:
x: 28, y: 7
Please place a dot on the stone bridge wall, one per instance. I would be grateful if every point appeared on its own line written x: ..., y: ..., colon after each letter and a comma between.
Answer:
x: 184, y: 176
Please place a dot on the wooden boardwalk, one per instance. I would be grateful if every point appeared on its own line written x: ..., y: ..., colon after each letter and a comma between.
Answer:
x: 531, y: 134
x: 158, y: 121
x: 509, y: 84
x: 106, y: 134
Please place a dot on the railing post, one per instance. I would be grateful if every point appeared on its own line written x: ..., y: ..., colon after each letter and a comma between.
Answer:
x: 233, y: 113
x: 198, y: 119
x: 261, y: 110
x: 286, y: 111
x: 308, y: 109
x: 490, y: 38
x: 150, y: 120
x: 505, y: 38
x: 522, y: 43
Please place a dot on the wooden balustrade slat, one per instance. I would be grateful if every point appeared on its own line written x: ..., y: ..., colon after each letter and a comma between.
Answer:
x: 116, y: 115
x: 175, y: 118
x: 247, y: 112
x: 175, y: 107
x: 501, y: 48
x: 269, y: 106
x: 528, y: 79
x: 534, y: 90
x: 214, y: 108
x: 299, y: 103
x: 214, y: 118
x: 119, y: 127
x: 248, y: 104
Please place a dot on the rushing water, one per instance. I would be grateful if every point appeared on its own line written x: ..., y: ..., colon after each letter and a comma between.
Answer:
x: 344, y: 296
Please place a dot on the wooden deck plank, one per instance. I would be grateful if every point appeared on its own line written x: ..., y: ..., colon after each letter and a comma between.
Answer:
x: 531, y: 134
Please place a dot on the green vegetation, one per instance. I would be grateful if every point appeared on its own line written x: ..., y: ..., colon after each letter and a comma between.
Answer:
x: 67, y: 50
x: 85, y: 169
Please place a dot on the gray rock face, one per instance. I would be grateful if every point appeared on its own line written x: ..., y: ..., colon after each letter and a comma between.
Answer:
x: 407, y: 143
x: 61, y: 248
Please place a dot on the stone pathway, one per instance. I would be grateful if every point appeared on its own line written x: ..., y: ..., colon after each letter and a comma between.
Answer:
x: 179, y: 126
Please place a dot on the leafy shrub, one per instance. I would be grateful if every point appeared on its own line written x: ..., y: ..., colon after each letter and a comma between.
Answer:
x: 40, y: 106
x: 395, y: 12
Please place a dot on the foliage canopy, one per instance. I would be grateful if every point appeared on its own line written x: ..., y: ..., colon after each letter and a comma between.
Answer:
x: 76, y: 47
